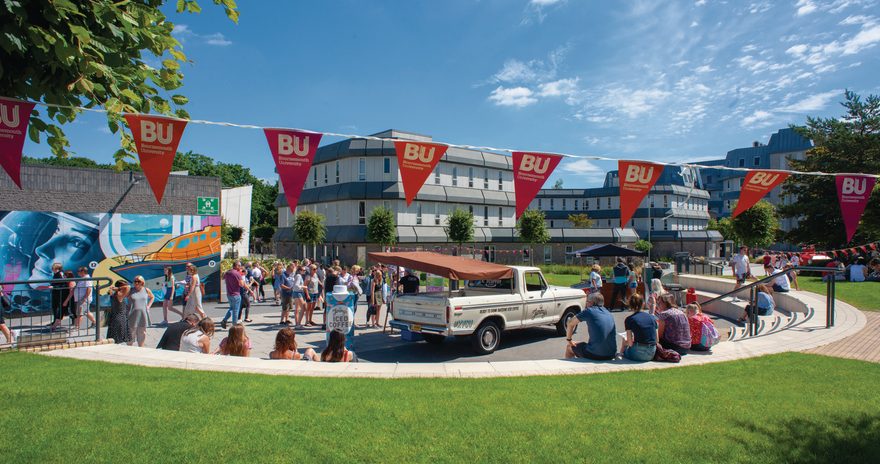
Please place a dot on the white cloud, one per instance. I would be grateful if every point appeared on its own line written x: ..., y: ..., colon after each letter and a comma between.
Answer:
x: 857, y: 19
x: 757, y: 119
x: 566, y: 88
x: 535, y: 9
x: 581, y: 166
x: 544, y: 2
x: 629, y: 137
x: 760, y: 7
x: 797, y: 50
x: 181, y: 29
x: 703, y: 69
x: 700, y: 3
x: 805, y: 7
x: 518, y: 97
x: 517, y: 71
x: 599, y: 119
x: 680, y: 63
x: 633, y: 103
x: 217, y: 39
x: 694, y: 24
x: 592, y: 140
x: 812, y: 103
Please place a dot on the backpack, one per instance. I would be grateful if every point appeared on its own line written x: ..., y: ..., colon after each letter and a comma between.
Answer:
x: 664, y: 355
x: 708, y: 334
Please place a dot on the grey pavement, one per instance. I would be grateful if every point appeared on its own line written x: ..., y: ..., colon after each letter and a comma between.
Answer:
x: 372, y: 345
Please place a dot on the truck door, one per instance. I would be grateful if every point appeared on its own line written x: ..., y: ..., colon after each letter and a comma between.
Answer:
x: 538, y: 301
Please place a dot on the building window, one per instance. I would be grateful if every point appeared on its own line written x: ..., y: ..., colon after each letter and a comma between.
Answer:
x: 362, y: 212
x: 470, y: 177
x: 386, y: 204
x: 485, y: 179
x: 742, y: 162
x: 551, y: 204
x: 539, y: 204
x: 437, y: 175
x: 598, y: 203
x: 577, y: 205
x: 485, y: 216
x: 651, y: 199
x: 471, y: 209
x: 609, y: 223
x: 551, y: 223
x: 454, y: 176
x: 609, y: 202
x: 525, y: 255
x: 741, y: 179
x: 548, y: 254
x: 665, y: 224
x: 586, y: 205
x: 563, y: 204
x: 665, y: 201
x: 315, y: 177
x: 757, y: 161
x: 325, y: 175
x: 568, y: 257
x: 652, y: 223
x: 418, y: 214
x: 362, y: 169
x: 500, y: 180
x: 436, y: 214
x: 386, y: 165
x: 337, y: 172
x: 500, y: 217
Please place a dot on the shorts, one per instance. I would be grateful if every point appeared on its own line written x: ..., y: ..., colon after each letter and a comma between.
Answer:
x: 82, y: 307
x: 640, y: 352
x: 778, y: 289
x: 580, y: 350
x: 313, y: 297
x: 741, y: 278
x: 633, y: 285
x: 286, y: 302
x: 169, y: 293
x: 298, y: 295
x: 595, y: 290
x: 371, y: 311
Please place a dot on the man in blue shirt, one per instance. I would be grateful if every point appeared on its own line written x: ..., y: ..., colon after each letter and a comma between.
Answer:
x: 621, y: 273
x: 602, y: 345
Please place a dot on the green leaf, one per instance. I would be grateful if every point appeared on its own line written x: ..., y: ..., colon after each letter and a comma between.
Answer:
x: 181, y: 4
x: 171, y: 64
x: 85, y: 85
x: 177, y: 54
x: 81, y: 33
x: 128, y: 93
x: 179, y: 99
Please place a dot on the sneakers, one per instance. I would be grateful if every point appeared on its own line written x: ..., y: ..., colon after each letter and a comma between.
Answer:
x: 735, y: 300
x: 299, y: 327
x: 223, y: 324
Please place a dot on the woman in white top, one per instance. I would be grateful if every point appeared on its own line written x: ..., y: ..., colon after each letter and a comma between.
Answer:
x: 194, y: 293
x: 198, y: 339
x: 596, y: 279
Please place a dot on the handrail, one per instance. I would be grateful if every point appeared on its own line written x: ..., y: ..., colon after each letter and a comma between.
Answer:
x: 829, y: 296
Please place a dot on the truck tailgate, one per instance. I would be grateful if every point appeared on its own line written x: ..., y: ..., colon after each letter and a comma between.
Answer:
x: 427, y: 309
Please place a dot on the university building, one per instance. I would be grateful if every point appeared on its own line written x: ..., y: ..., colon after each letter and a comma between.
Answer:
x: 350, y: 178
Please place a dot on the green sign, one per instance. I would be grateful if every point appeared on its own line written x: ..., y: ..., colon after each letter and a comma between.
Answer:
x: 209, y: 206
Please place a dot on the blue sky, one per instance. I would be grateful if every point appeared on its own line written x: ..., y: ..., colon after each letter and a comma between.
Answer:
x: 652, y: 80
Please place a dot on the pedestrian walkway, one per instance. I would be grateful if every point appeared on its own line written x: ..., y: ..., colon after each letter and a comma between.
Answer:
x: 864, y: 345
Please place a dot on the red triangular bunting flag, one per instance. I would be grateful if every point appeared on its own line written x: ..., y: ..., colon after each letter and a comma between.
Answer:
x: 14, y: 118
x: 636, y: 179
x: 416, y: 161
x: 755, y: 186
x: 156, y: 139
x: 530, y: 171
x: 293, y: 152
x: 853, y: 192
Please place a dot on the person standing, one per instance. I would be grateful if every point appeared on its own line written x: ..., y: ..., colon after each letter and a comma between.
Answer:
x: 286, y: 286
x: 741, y: 268
x: 621, y: 274
x: 58, y: 296
x: 82, y: 297
x: 234, y: 283
x: 168, y: 298
x: 313, y: 287
x: 141, y: 299
x: 277, y: 272
x: 299, y: 297
x: 602, y: 344
x: 376, y: 298
x: 259, y: 273
x: 5, y: 303
x: 117, y: 324
x: 595, y: 278
x: 193, y: 299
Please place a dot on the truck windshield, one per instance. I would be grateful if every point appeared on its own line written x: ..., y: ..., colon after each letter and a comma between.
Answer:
x: 502, y: 284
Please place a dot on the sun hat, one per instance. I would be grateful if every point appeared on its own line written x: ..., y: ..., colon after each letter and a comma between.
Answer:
x: 340, y: 292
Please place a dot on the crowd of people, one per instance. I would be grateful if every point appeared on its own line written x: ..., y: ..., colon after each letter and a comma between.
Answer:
x: 657, y: 329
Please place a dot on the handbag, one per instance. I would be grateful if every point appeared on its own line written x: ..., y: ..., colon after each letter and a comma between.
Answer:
x: 663, y: 355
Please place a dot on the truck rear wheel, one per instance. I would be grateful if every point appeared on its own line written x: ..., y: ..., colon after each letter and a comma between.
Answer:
x: 487, y: 338
x: 434, y: 339
x: 562, y: 325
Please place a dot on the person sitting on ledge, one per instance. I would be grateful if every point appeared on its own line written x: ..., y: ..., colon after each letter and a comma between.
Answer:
x: 285, y: 347
x: 674, y: 331
x: 236, y: 343
x: 641, y: 332
x: 171, y: 338
x: 780, y: 283
x: 335, y: 351
x: 858, y: 271
x: 602, y: 345
x: 700, y: 323
x: 198, y: 339
x: 765, y: 303
x: 874, y: 275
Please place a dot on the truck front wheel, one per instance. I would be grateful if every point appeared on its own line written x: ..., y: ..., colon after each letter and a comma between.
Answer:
x: 562, y: 325
x: 487, y: 338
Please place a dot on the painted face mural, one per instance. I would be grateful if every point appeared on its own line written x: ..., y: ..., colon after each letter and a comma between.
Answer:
x: 117, y: 246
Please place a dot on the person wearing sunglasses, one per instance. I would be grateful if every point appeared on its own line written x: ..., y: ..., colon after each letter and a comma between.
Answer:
x: 141, y: 299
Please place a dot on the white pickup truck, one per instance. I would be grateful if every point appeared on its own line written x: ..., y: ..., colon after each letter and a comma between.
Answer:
x: 483, y: 309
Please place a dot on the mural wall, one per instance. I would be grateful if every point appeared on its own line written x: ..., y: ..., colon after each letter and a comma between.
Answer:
x: 118, y: 246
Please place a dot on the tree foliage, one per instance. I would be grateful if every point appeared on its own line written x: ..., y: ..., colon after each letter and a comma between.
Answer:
x: 850, y: 143
x: 558, y: 184
x: 580, y: 221
x: 643, y: 245
x: 532, y: 229
x: 460, y: 226
x: 99, y: 53
x: 308, y: 228
x: 381, y: 227
x: 724, y: 227
x: 757, y: 226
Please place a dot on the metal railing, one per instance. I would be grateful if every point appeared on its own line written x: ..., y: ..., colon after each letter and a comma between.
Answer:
x: 753, y: 296
x: 32, y: 309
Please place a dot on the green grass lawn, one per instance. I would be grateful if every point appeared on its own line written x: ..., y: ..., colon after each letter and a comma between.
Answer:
x: 862, y: 295
x: 781, y: 408
x: 563, y: 280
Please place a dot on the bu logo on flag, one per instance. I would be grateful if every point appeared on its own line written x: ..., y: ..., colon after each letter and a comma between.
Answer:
x: 763, y: 178
x: 415, y: 152
x: 9, y: 115
x: 534, y: 164
x: 639, y: 174
x: 152, y: 132
x: 854, y: 186
x: 293, y: 145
